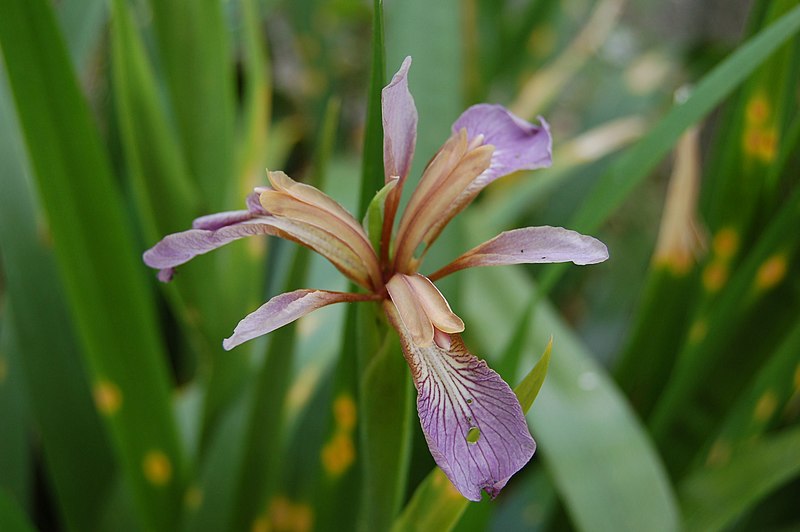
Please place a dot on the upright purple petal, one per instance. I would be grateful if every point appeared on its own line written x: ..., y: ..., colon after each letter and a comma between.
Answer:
x: 399, y: 124
x: 518, y: 145
x: 530, y: 245
x: 472, y: 421
x: 284, y: 309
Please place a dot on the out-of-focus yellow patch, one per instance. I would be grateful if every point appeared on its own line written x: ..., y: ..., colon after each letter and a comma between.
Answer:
x: 107, y: 397
x: 771, y: 272
x: 726, y: 243
x: 3, y: 368
x: 542, y: 41
x: 720, y: 453
x: 286, y: 516
x: 758, y: 110
x: 715, y: 275
x: 344, y: 412
x: 261, y: 524
x: 760, y: 143
x: 698, y: 331
x: 157, y: 468
x: 193, y: 498
x: 338, y: 454
x: 765, y: 406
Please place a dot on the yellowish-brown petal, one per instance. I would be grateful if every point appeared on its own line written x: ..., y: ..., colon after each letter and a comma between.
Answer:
x: 412, y: 314
x: 283, y: 205
x: 456, y: 166
x: 434, y: 304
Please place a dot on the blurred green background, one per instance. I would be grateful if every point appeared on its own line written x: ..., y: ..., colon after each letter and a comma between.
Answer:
x: 673, y: 391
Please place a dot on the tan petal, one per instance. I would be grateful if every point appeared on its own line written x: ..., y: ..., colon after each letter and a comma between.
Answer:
x: 451, y: 172
x: 282, y: 205
x: 412, y: 314
x: 434, y: 303
x: 312, y: 196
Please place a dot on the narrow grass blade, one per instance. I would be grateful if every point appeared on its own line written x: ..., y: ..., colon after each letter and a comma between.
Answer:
x: 103, y: 280
x: 194, y: 48
x: 436, y: 505
x: 16, y: 458
x: 372, y: 175
x: 55, y: 379
x: 712, y: 499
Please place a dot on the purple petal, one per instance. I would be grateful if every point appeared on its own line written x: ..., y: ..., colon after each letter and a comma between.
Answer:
x: 284, y: 309
x: 530, y: 245
x: 178, y: 248
x: 399, y: 124
x: 212, y: 222
x: 518, y: 145
x: 472, y: 421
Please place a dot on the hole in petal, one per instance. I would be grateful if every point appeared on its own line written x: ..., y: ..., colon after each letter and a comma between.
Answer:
x: 473, y: 435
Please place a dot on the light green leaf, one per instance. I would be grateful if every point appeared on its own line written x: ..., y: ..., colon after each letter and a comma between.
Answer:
x: 373, y: 220
x: 713, y: 498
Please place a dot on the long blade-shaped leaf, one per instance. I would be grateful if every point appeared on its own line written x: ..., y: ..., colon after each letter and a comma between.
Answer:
x: 711, y: 499
x: 96, y: 257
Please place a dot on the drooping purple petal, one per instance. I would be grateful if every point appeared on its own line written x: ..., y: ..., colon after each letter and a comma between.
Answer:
x: 472, y: 420
x: 518, y: 145
x: 399, y: 124
x: 530, y: 245
x: 284, y: 309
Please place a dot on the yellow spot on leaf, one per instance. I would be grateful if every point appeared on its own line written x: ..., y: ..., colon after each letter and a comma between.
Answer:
x: 714, y: 276
x: 758, y: 110
x: 719, y: 454
x: 765, y: 406
x: 107, y: 397
x: 287, y: 516
x: 726, y: 243
x: 157, y: 468
x: 344, y: 413
x: 261, y: 524
x: 698, y: 331
x: 771, y: 272
x: 193, y: 498
x: 760, y: 143
x: 338, y: 454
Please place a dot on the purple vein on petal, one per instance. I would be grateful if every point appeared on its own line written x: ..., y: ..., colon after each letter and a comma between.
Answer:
x: 284, y: 309
x: 471, y: 419
x: 530, y: 245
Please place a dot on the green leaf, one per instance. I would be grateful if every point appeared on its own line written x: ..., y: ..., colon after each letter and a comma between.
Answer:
x: 713, y: 498
x: 436, y: 505
x: 16, y: 459
x: 528, y: 389
x: 373, y: 220
x: 372, y: 173
x: 12, y: 519
x: 386, y: 425
x: 50, y: 376
x: 194, y: 48
x: 102, y: 273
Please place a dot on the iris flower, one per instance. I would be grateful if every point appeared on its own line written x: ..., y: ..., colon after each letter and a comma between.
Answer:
x: 473, y: 423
